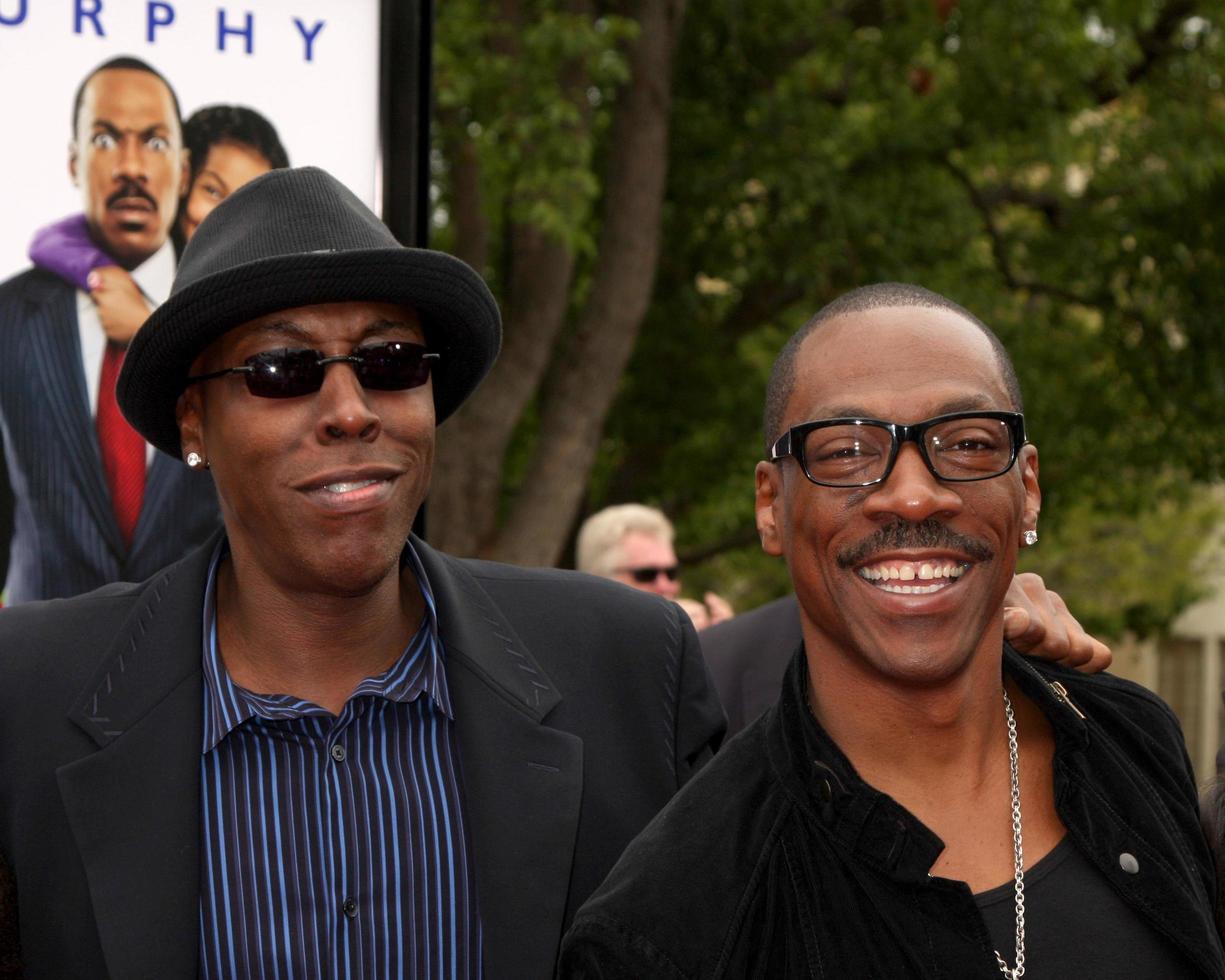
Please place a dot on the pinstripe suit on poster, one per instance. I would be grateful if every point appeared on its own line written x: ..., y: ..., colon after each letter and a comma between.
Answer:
x: 58, y: 533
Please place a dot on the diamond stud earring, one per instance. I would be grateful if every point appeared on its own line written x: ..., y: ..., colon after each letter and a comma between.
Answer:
x: 195, y: 460
x: 1030, y: 538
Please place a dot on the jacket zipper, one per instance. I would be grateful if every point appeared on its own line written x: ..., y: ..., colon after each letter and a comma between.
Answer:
x: 1061, y: 693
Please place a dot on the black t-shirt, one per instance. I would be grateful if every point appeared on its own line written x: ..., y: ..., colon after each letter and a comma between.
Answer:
x: 1076, y: 926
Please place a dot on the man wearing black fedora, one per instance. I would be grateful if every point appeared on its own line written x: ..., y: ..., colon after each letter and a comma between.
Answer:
x: 311, y: 748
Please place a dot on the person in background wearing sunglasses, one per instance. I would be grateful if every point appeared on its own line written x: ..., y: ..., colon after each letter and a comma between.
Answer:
x: 632, y: 543
x: 315, y: 746
x: 83, y: 499
x: 923, y: 801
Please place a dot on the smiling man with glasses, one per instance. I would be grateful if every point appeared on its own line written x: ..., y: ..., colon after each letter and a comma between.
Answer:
x: 923, y: 801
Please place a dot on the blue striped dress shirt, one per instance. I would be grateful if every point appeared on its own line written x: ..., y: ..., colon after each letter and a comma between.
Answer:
x: 335, y: 846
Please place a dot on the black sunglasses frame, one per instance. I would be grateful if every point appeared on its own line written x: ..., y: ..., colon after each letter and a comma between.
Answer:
x: 643, y: 574
x: 359, y: 357
x: 791, y: 443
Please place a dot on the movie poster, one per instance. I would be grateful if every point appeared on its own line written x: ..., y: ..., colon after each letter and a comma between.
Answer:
x: 101, y: 201
x: 309, y: 67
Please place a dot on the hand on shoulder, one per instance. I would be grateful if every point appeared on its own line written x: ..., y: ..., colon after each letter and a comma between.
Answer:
x: 1037, y: 622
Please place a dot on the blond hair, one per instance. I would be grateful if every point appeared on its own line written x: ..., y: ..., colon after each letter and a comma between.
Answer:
x: 598, y: 548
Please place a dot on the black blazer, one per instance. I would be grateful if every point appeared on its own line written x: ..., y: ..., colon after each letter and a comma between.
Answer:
x: 747, y: 657
x: 58, y: 533
x: 582, y: 707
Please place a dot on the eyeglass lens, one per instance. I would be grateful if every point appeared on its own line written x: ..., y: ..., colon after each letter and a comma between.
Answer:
x: 649, y: 573
x: 958, y: 449
x: 292, y: 372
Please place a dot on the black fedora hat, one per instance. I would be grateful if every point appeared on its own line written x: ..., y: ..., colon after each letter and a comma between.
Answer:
x: 298, y: 237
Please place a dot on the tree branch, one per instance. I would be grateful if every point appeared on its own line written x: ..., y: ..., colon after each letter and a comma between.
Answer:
x: 740, y: 538
x: 1156, y: 44
x: 1049, y: 204
x: 1101, y: 301
x: 999, y: 245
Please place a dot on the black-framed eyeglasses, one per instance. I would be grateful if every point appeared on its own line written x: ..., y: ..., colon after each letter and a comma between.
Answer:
x: 645, y: 574
x: 290, y: 372
x: 959, y: 447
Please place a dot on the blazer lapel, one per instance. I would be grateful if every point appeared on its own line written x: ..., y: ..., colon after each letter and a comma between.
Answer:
x: 522, y: 780
x: 56, y: 365
x: 134, y: 805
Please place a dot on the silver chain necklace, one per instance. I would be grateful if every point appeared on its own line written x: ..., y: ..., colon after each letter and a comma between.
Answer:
x: 1018, y: 856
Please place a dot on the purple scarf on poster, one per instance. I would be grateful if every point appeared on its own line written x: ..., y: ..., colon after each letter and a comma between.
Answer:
x: 66, y: 249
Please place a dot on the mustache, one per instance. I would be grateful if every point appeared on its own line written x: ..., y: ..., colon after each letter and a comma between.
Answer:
x: 129, y: 189
x: 908, y: 534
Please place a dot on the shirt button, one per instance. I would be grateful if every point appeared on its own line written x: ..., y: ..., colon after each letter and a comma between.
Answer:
x: 349, y: 908
x: 338, y: 752
x: 1129, y: 863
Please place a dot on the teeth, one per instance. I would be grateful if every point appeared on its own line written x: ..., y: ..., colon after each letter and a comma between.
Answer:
x: 937, y: 573
x: 348, y: 487
x: 915, y: 589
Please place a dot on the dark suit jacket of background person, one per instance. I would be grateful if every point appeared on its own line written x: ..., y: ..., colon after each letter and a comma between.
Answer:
x: 747, y: 657
x: 582, y: 706
x: 58, y: 533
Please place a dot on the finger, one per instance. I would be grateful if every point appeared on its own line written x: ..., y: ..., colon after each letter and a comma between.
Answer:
x: 1028, y: 631
x: 1092, y: 656
x: 1016, y: 621
x: 720, y: 609
x: 1084, y: 652
x: 1102, y: 658
x: 696, y: 612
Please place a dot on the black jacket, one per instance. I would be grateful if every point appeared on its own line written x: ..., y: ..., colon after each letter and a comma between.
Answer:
x: 580, y: 705
x: 779, y: 861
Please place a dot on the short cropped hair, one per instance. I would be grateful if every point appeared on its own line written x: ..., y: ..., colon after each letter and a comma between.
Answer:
x: 214, y: 124
x: 598, y: 548
x: 876, y: 296
x: 131, y: 64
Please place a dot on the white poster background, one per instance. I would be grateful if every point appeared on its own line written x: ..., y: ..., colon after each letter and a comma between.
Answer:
x: 325, y: 110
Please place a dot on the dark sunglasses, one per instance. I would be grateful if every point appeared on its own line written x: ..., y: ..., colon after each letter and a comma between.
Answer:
x: 291, y: 372
x: 649, y: 573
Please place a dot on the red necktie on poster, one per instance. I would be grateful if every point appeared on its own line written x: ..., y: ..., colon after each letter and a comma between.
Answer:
x: 123, y: 449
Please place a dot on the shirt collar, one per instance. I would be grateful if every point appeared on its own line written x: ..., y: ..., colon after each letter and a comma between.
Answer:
x: 867, y: 823
x: 824, y: 784
x: 155, y: 275
x: 420, y: 668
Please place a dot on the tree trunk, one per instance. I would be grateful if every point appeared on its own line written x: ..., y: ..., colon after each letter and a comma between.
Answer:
x: 586, y: 378
x: 471, y: 452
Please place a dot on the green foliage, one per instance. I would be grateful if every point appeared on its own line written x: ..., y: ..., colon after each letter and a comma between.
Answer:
x: 522, y: 94
x: 1130, y: 570
x: 1056, y: 167
x: 1021, y: 157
